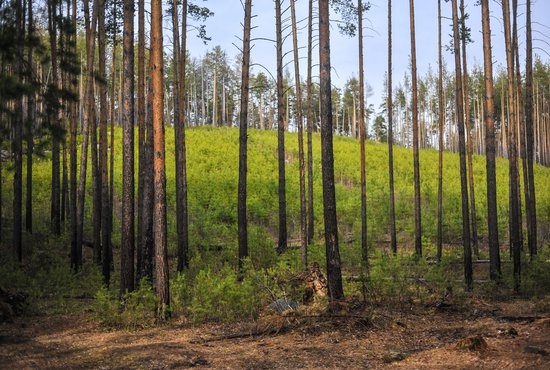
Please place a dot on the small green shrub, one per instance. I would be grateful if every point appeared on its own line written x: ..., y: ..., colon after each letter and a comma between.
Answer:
x: 179, y: 293
x: 137, y: 309
x: 222, y: 297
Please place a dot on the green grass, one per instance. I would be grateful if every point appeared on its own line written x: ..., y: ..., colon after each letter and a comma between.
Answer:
x: 212, y: 177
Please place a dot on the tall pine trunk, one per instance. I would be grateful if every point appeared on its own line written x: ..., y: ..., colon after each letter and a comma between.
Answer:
x: 492, y: 215
x: 31, y: 116
x: 416, y: 159
x: 532, y: 232
x: 55, y: 210
x: 17, y: 146
x: 364, y: 251
x: 311, y: 220
x: 127, y: 231
x: 76, y: 255
x: 393, y: 234
x: 334, y: 272
x: 459, y: 99
x: 467, y: 119
x: 282, y: 243
x: 441, y: 133
x: 515, y: 244
x: 303, y: 219
x: 179, y: 130
x: 243, y: 136
x: 103, y: 148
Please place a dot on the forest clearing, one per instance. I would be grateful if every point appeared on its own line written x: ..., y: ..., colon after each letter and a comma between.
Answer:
x: 165, y: 205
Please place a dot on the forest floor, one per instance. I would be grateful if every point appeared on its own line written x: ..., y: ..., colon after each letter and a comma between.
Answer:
x: 470, y: 333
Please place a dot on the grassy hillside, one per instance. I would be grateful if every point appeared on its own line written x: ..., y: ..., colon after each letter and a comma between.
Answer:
x: 212, y: 177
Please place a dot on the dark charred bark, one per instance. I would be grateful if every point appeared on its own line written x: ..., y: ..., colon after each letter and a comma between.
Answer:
x: 243, y: 136
x: 282, y: 243
x: 55, y: 210
x: 31, y: 116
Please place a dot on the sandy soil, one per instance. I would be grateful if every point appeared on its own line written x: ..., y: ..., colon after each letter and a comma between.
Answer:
x: 480, y: 335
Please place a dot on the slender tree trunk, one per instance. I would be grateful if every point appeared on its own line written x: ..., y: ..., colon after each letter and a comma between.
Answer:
x: 303, y: 219
x: 334, y: 273
x: 519, y: 125
x: 469, y: 150
x: 76, y: 256
x: 17, y: 146
x: 417, y: 203
x: 441, y: 133
x: 282, y: 245
x: 143, y: 160
x: 55, y: 126
x: 159, y: 215
x: 492, y: 215
x: 181, y: 157
x: 127, y: 231
x: 393, y: 234
x: 72, y: 141
x: 462, y: 152
x: 241, y: 216
x: 364, y: 250
x: 31, y: 116
x: 514, y: 207
x: 103, y: 148
x: 108, y: 243
x: 532, y: 232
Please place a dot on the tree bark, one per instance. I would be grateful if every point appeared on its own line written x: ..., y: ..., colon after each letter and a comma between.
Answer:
x: 103, y: 146
x: 303, y: 219
x: 76, y: 255
x: 282, y: 244
x: 492, y: 215
x: 17, y: 145
x: 393, y: 234
x: 417, y: 202
x: 512, y: 157
x: 127, y: 227
x: 54, y: 124
x: 334, y: 272
x: 468, y: 279
x: 532, y: 232
x: 159, y: 215
x: 441, y: 144
x: 469, y: 150
x: 243, y: 136
x: 181, y: 158
x: 364, y: 250
x: 31, y: 116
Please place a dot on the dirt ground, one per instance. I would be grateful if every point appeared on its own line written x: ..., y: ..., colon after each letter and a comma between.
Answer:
x: 502, y: 335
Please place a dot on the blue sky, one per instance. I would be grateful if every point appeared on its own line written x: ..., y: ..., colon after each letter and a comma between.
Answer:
x: 225, y: 27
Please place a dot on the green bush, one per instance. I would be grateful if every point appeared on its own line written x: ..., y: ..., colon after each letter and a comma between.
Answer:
x: 137, y: 309
x: 222, y: 297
